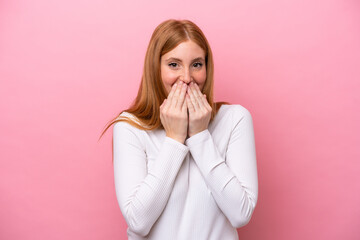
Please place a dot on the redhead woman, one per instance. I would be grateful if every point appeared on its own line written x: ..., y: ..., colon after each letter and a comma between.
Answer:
x: 184, y: 166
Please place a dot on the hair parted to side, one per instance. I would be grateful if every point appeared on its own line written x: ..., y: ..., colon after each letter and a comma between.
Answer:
x: 151, y: 93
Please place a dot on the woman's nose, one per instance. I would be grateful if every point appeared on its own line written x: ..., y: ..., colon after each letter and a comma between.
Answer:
x: 186, y: 76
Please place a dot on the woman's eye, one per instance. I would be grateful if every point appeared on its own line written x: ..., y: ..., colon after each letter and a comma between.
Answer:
x: 197, y: 65
x: 174, y: 65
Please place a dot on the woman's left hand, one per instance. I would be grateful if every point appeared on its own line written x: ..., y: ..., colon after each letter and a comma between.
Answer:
x: 199, y: 110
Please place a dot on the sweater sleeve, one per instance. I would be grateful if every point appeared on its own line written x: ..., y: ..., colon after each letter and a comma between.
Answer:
x: 143, y: 193
x: 232, y: 181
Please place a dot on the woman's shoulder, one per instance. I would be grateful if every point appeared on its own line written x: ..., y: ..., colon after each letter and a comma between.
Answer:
x: 236, y: 110
x: 124, y: 119
x: 234, y: 114
x: 126, y: 132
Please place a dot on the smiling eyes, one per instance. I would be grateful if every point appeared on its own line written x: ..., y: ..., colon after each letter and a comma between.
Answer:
x: 173, y: 65
x: 195, y: 65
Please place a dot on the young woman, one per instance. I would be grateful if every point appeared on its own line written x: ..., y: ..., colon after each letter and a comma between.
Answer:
x: 184, y: 166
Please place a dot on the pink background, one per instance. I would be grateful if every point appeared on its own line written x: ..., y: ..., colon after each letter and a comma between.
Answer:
x: 68, y: 67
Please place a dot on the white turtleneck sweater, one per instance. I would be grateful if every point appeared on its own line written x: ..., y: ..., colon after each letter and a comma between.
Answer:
x: 203, y: 189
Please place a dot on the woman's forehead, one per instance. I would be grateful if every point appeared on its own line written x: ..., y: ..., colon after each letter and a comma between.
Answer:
x: 185, y: 51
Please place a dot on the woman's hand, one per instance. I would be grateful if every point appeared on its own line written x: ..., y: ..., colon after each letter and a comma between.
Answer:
x: 173, y: 113
x: 199, y: 110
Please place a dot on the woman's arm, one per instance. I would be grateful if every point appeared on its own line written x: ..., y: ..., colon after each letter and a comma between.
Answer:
x: 234, y: 183
x: 142, y: 194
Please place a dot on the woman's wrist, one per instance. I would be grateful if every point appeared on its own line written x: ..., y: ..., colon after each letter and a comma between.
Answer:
x: 192, y: 134
x: 177, y: 138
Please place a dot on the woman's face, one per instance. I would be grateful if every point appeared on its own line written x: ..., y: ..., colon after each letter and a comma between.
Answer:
x: 184, y: 63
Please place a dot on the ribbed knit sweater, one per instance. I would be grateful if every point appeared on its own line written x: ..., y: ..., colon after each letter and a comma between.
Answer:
x: 203, y: 189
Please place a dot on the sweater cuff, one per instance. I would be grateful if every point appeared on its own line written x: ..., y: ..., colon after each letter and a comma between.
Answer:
x: 171, y: 156
x: 176, y: 144
x: 198, y: 138
x: 204, y: 152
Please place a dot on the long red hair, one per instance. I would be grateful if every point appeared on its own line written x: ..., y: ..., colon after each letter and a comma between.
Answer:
x: 151, y: 93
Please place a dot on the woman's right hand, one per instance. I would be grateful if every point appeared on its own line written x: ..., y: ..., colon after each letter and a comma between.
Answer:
x: 173, y: 113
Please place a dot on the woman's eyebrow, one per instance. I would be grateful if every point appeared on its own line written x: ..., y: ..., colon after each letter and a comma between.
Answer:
x: 174, y: 59
x: 199, y: 59
x: 179, y: 60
